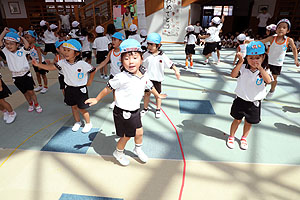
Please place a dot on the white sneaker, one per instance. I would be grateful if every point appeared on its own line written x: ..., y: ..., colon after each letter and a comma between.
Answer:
x: 206, y: 61
x: 143, y: 112
x: 44, y: 90
x: 11, y: 118
x: 244, y: 144
x: 140, y: 153
x: 112, y: 105
x: 230, y: 142
x: 38, y: 109
x: 157, y: 114
x: 5, y: 115
x: 121, y: 158
x: 30, y: 108
x: 76, y: 126
x: 269, y: 95
x: 87, y: 127
x: 38, y: 88
x: 106, y: 77
x: 102, y: 76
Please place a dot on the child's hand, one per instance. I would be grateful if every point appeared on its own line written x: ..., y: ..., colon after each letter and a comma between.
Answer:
x: 48, y: 61
x: 162, y: 96
x: 89, y: 84
x: 34, y: 62
x: 91, y: 101
x: 6, y: 30
x: 177, y: 74
x: 239, y: 56
x: 297, y: 63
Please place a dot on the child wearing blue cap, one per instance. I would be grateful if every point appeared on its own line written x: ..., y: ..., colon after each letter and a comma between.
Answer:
x: 277, y: 50
x: 129, y: 86
x: 252, y: 78
x: 35, y: 52
x: 76, y: 79
x: 155, y: 61
x: 114, y: 56
x: 19, y: 66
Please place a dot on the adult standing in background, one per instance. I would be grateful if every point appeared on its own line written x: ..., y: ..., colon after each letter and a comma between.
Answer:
x: 127, y: 20
x: 65, y: 21
x: 263, y: 19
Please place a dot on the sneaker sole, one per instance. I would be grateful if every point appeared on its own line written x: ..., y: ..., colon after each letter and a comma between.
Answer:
x: 119, y: 161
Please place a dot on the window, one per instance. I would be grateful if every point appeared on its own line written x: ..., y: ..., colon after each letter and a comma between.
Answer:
x: 217, y: 10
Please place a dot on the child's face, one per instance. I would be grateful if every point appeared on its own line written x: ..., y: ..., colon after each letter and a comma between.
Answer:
x: 198, y: 24
x: 132, y: 61
x: 255, y: 60
x: 29, y: 38
x: 282, y: 29
x: 152, y: 47
x: 116, y: 42
x: 268, y: 32
x: 69, y: 54
x: 11, y: 46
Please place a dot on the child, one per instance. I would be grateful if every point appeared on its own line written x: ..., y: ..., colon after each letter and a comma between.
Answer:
x: 190, y: 41
x: 111, y: 29
x: 241, y: 48
x: 278, y: 49
x: 75, y: 32
x: 212, y: 37
x: 197, y: 29
x: 9, y: 115
x: 143, y: 35
x: 50, y: 36
x: 114, y: 56
x: 76, y: 78
x: 60, y: 56
x: 133, y: 33
x: 101, y: 46
x: 155, y: 61
x: 35, y: 52
x: 86, y: 45
x: 129, y: 86
x: 19, y: 66
x: 250, y: 90
x: 270, y: 30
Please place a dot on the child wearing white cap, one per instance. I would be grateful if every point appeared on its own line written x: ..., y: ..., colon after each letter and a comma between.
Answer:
x: 133, y: 33
x: 190, y: 43
x: 241, y: 48
x: 75, y: 30
x: 100, y: 47
x: 129, y: 86
x: 143, y: 35
x: 19, y: 66
x: 75, y: 73
x: 50, y: 36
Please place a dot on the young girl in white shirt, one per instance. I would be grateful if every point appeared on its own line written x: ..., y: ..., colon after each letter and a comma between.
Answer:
x: 190, y: 42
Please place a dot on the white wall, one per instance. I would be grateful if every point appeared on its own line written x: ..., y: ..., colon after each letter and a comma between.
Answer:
x: 257, y: 3
x: 7, y: 13
x: 155, y: 24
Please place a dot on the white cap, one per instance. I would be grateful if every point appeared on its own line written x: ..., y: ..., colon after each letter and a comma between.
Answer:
x: 43, y: 23
x: 216, y: 20
x: 132, y: 27
x: 53, y: 26
x: 75, y: 24
x: 271, y: 27
x: 143, y: 32
x: 190, y: 28
x: 241, y: 37
x: 99, y: 29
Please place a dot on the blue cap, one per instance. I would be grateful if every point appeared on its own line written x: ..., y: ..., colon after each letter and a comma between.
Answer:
x: 255, y: 48
x: 11, y: 36
x: 72, y: 44
x: 58, y: 43
x: 130, y: 45
x: 13, y: 30
x: 119, y: 36
x: 285, y: 21
x: 154, y: 38
x: 32, y: 34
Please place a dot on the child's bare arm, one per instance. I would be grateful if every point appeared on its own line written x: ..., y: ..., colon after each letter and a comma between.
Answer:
x: 103, y: 93
x: 50, y: 67
x: 268, y: 39
x: 236, y: 70
x: 91, y: 78
x: 4, y: 32
x: 265, y: 75
x: 177, y: 74
x: 295, y: 52
x: 25, y: 42
x: 104, y: 62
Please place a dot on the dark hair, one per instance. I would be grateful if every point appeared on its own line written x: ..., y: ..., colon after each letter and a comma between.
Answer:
x: 130, y: 53
x: 241, y: 41
x: 133, y: 32
x: 100, y: 35
x: 264, y: 64
x: 79, y: 57
x: 188, y: 34
x: 84, y: 32
x: 111, y: 29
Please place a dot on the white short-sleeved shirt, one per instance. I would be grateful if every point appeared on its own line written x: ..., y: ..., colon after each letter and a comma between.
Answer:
x: 73, y: 33
x: 34, y: 54
x: 109, y: 37
x: 277, y: 51
x: 136, y: 37
x: 17, y: 61
x: 155, y: 65
x: 115, y: 65
x: 214, y: 33
x: 101, y: 43
x: 197, y: 29
x: 250, y: 85
x: 243, y: 49
x: 86, y: 45
x: 129, y: 89
x: 191, y: 39
x: 49, y: 37
x: 263, y: 18
x: 75, y: 74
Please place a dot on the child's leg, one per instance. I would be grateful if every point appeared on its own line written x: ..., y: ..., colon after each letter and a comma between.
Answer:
x: 45, y: 80
x: 158, y: 103
x: 218, y: 54
x: 85, y: 115
x: 146, y: 100
x: 191, y: 60
x: 274, y: 83
x: 101, y: 71
x: 38, y: 77
x: 122, y: 143
x: 247, y: 127
x: 5, y: 106
x: 186, y: 60
x: 234, y: 126
x: 76, y: 113
x: 105, y: 69
x: 138, y: 139
x: 32, y: 97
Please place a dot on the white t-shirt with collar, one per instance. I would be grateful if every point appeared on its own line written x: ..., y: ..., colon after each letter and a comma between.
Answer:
x: 263, y: 18
x: 101, y: 43
x: 129, y: 89
x: 214, y: 33
x: 137, y: 37
x: 250, y: 85
x: 75, y: 74
x: 49, y: 37
x: 17, y: 61
x: 86, y: 45
x: 155, y: 65
x: 191, y: 39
